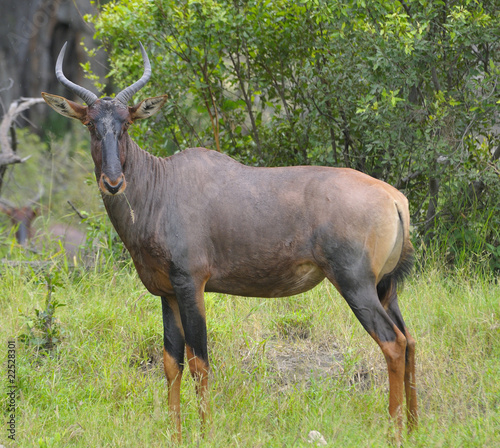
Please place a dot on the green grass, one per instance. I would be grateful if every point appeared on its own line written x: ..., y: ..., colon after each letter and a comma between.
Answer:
x: 104, y: 386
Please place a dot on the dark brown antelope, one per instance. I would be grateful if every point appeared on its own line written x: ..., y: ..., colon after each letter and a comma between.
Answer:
x: 200, y: 221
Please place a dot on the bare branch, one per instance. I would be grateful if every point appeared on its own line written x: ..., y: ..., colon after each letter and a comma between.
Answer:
x: 79, y: 214
x: 11, y: 84
x: 406, y: 7
x: 7, y: 154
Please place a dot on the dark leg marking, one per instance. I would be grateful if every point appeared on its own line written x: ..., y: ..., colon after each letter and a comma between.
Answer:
x: 361, y: 295
x: 387, y: 291
x: 193, y: 319
x: 192, y: 315
x: 173, y: 357
x: 410, y: 379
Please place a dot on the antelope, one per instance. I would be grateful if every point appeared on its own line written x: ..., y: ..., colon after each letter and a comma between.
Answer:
x: 22, y: 217
x: 200, y: 221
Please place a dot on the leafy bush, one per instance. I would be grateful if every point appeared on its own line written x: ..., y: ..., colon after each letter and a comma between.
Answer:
x: 404, y: 91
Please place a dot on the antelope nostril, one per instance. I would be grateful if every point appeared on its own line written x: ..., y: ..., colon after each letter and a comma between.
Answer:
x: 113, y: 189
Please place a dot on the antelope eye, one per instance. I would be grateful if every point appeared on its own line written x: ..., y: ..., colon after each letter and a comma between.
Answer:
x: 125, y: 127
x: 91, y: 127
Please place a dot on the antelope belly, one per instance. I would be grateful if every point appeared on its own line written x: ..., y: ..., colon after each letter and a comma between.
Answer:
x: 278, y: 283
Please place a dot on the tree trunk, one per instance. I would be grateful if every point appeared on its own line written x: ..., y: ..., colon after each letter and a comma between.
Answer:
x: 432, y: 209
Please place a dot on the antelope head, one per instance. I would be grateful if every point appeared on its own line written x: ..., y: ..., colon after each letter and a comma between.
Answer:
x: 107, y: 120
x: 22, y: 217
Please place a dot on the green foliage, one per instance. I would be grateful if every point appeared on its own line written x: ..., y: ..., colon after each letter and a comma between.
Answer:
x: 43, y: 329
x: 404, y: 91
x: 102, y: 243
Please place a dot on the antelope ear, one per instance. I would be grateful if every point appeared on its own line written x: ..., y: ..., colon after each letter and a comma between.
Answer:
x: 147, y: 108
x: 66, y: 107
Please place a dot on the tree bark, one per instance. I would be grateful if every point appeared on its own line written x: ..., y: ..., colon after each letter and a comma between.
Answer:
x: 432, y: 209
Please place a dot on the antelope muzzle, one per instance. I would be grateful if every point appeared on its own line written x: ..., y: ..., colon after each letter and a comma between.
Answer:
x: 112, y: 186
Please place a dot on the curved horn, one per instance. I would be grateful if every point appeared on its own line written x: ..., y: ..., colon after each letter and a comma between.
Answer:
x: 84, y: 94
x: 126, y: 94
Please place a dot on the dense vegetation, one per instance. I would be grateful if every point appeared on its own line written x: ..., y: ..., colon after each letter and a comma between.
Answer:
x: 405, y: 91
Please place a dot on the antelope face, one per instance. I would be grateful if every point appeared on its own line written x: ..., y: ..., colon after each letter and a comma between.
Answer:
x: 23, y: 217
x: 107, y: 120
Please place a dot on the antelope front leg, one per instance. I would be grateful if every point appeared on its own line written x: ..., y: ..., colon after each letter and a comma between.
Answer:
x: 193, y: 318
x: 190, y: 300
x: 173, y: 359
x: 199, y: 370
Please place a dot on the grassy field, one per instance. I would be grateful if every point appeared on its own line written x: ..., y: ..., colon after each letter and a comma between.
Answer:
x: 280, y: 367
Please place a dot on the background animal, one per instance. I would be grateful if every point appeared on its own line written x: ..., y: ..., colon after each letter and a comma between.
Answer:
x: 54, y: 237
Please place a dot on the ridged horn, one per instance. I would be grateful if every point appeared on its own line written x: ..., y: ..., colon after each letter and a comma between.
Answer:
x: 83, y: 93
x: 126, y: 94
